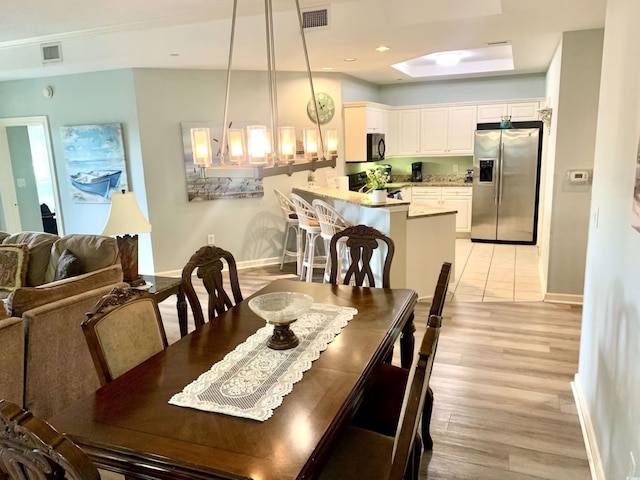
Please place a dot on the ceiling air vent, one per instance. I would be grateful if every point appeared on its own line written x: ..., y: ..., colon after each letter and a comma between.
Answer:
x: 51, y: 52
x: 316, y: 18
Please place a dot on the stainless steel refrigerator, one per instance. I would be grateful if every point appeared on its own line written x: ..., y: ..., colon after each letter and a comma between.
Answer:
x: 506, y: 182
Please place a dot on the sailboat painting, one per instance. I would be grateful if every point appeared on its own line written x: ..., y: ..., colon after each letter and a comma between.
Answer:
x: 95, y: 161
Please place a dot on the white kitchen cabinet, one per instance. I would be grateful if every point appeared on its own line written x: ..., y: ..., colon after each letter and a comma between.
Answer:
x: 447, y: 130
x: 360, y: 119
x: 408, y: 131
x: 391, y: 135
x: 519, y: 111
x: 455, y: 198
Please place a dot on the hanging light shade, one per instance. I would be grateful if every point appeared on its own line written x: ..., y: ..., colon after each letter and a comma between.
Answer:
x: 311, y: 143
x: 331, y: 137
x: 201, y: 147
x: 287, y: 144
x: 259, y: 145
x: 236, y: 145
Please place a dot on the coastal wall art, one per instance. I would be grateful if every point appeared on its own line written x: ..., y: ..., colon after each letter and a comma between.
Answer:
x: 94, y: 156
x: 229, y: 183
x: 635, y: 205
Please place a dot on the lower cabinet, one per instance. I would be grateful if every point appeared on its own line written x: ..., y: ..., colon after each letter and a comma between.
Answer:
x: 455, y: 198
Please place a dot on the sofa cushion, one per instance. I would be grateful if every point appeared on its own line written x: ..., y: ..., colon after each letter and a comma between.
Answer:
x: 39, y: 244
x: 14, y: 260
x: 94, y: 251
x: 3, y: 235
x: 24, y: 299
x: 68, y: 266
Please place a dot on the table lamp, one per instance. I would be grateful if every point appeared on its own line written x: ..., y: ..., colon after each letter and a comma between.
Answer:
x: 126, y: 221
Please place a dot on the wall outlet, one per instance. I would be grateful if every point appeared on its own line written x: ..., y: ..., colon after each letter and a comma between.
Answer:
x: 211, y: 239
x: 408, y: 168
x: 21, y: 182
x: 455, y: 167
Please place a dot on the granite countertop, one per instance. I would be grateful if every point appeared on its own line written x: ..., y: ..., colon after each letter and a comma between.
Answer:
x: 361, y: 199
x: 429, y: 184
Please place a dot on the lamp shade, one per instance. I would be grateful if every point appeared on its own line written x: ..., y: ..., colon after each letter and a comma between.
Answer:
x: 125, y: 216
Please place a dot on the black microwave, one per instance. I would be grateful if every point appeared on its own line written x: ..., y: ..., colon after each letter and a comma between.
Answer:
x: 375, y: 147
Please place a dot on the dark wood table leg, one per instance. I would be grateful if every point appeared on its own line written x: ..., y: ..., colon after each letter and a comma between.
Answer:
x: 181, y: 306
x: 407, y: 343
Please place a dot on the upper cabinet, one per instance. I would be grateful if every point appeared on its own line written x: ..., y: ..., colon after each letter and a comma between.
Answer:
x: 447, y: 130
x: 425, y: 130
x: 408, y: 132
x: 519, y: 111
x: 360, y: 119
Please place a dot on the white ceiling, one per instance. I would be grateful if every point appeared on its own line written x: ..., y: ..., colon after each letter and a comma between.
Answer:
x: 104, y: 35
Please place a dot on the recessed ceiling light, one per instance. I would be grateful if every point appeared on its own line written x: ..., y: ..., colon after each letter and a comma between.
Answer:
x: 350, y: 59
x: 327, y: 68
x: 174, y: 54
x: 382, y: 48
x: 448, y: 59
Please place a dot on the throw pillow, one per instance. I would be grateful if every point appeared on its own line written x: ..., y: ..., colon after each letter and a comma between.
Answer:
x: 14, y: 259
x: 68, y: 266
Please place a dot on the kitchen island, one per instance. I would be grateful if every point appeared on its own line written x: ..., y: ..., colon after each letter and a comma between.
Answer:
x: 424, y: 236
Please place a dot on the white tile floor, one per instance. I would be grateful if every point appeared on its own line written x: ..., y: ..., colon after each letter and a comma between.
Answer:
x: 487, y: 272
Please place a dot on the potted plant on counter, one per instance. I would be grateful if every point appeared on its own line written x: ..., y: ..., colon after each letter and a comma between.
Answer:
x: 377, y: 181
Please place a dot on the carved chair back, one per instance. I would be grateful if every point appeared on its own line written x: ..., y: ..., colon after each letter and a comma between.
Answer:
x: 208, y: 262
x: 361, y: 242
x: 440, y: 293
x: 30, y: 448
x: 123, y: 330
x: 405, y: 446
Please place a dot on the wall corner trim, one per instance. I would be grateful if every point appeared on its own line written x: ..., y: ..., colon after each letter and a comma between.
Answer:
x: 588, y: 432
x: 563, y: 298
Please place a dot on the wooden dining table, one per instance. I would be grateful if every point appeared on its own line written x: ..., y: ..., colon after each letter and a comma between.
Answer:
x: 128, y: 426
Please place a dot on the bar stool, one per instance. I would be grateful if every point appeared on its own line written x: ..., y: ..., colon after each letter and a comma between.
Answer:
x: 310, y: 224
x: 331, y: 222
x: 291, y: 224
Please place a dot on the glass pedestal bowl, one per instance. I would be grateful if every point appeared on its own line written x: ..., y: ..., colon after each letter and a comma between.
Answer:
x: 281, y: 309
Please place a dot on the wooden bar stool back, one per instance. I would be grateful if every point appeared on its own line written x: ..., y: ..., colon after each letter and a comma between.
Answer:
x: 331, y: 222
x: 313, y: 257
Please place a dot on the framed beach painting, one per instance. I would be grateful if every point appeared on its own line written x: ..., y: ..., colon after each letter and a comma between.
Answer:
x: 201, y: 187
x: 94, y: 156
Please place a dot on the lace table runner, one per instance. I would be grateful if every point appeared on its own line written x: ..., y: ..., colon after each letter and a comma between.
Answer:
x: 251, y: 381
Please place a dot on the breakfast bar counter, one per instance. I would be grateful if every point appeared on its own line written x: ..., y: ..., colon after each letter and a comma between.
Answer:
x: 424, y: 236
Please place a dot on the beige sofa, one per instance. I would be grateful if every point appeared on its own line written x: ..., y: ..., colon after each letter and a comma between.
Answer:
x: 45, y: 361
x: 44, y: 251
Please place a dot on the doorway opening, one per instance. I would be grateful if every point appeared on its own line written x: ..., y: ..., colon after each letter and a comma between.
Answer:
x: 30, y: 198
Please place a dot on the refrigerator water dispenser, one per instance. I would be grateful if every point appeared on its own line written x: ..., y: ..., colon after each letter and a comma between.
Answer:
x: 486, y: 171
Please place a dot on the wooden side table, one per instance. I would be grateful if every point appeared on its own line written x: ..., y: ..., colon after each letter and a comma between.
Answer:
x: 162, y: 288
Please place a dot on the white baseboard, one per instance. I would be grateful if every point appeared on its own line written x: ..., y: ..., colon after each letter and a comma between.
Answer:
x: 588, y: 433
x: 563, y: 298
x: 262, y: 262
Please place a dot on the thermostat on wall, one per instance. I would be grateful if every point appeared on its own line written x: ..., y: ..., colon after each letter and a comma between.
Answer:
x: 579, y: 177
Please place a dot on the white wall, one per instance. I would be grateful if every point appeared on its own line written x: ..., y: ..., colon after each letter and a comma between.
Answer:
x: 609, y: 368
x: 548, y: 165
x: 465, y: 90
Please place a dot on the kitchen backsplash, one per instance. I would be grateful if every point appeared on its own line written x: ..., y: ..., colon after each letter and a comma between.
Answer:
x: 432, y: 177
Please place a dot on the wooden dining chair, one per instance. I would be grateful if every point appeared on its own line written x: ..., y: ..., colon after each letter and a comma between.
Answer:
x: 380, y: 409
x: 363, y: 453
x: 208, y: 262
x: 361, y: 242
x: 31, y: 448
x: 123, y: 330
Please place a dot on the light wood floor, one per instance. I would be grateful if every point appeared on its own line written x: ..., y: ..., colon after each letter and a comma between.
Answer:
x: 503, y: 403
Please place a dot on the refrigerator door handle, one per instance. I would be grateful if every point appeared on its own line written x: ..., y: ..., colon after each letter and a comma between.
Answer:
x: 499, y: 194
